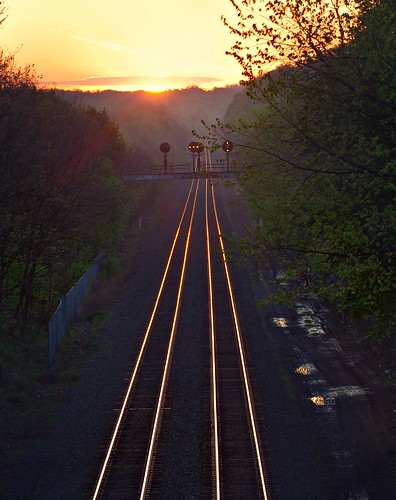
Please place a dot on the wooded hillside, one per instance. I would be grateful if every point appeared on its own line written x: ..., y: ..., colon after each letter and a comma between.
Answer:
x: 146, y: 119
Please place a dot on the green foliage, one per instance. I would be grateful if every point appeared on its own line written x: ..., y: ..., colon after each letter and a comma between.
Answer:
x: 62, y: 198
x: 320, y: 145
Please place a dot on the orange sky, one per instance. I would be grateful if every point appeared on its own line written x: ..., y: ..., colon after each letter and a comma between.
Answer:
x: 123, y: 44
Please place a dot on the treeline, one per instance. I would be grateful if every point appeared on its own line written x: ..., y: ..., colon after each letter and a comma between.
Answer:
x: 62, y: 197
x: 320, y: 148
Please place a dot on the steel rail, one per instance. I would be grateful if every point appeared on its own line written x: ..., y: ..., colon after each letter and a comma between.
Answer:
x: 213, y: 354
x: 121, y: 414
x: 241, y: 351
x: 165, y: 375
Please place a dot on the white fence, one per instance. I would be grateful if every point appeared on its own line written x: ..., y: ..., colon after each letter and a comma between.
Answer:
x: 69, y: 307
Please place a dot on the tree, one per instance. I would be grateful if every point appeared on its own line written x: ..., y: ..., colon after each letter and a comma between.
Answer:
x: 62, y: 198
x: 2, y: 12
x: 323, y: 145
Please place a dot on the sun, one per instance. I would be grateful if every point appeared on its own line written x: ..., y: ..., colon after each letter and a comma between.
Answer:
x: 156, y: 88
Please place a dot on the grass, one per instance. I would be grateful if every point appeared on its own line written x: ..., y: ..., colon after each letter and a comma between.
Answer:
x: 24, y: 400
x: 31, y: 393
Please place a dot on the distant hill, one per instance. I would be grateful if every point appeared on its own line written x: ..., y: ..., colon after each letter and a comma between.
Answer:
x: 147, y: 119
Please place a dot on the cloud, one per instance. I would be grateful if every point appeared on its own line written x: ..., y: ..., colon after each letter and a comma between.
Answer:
x: 134, y: 81
x: 63, y: 29
x: 108, y: 45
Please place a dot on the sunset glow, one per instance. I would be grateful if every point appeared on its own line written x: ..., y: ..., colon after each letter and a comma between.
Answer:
x: 123, y: 44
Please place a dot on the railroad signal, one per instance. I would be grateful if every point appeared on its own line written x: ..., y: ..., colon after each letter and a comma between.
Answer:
x: 165, y: 148
x: 193, y: 147
x: 227, y: 146
x: 196, y: 148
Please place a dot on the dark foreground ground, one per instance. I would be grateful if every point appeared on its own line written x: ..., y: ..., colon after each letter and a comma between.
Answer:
x: 327, y: 399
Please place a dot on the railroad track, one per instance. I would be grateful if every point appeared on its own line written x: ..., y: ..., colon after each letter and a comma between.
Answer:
x: 136, y: 463
x: 238, y: 462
